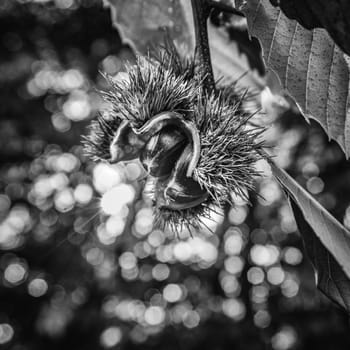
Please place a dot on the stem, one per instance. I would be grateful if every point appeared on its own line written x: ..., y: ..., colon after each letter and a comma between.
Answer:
x: 201, y: 10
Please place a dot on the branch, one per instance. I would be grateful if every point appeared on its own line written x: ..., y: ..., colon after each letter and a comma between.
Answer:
x: 201, y: 10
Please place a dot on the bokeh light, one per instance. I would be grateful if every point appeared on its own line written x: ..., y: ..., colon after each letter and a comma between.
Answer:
x: 6, y: 333
x: 116, y: 198
x: 15, y: 273
x: 234, y: 308
x: 111, y: 336
x: 154, y: 315
x: 172, y: 293
x: 37, y: 287
x: 284, y: 339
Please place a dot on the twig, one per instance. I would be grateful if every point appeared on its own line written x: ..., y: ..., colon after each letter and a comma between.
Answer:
x: 201, y: 10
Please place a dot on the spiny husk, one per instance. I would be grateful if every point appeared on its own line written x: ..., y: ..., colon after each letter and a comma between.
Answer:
x: 167, y: 82
x: 163, y: 82
x: 100, y: 136
x: 177, y: 220
x: 155, y: 85
x: 229, y: 148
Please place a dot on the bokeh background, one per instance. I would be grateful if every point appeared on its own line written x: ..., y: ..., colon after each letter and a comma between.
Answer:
x: 81, y: 265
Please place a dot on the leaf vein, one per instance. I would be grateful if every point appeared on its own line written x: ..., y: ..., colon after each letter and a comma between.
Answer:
x: 273, y: 36
x: 308, y: 76
x: 328, y: 121
x: 347, y: 112
x: 256, y: 12
x: 289, y: 56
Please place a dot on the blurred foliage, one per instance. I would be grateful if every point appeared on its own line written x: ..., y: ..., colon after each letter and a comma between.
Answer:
x: 81, y: 265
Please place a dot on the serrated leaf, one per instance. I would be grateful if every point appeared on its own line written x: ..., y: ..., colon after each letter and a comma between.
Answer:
x: 326, y: 240
x: 310, y: 66
x: 330, y: 278
x: 331, y: 15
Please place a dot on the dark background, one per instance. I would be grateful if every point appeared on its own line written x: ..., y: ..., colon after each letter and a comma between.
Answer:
x: 77, y: 272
